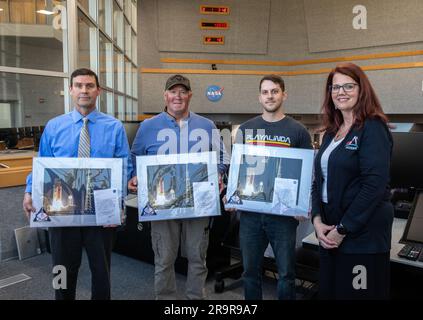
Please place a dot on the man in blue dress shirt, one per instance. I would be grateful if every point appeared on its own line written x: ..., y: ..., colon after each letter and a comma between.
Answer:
x: 61, y: 138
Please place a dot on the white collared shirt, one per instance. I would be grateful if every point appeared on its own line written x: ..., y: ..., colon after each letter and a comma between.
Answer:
x: 324, y: 165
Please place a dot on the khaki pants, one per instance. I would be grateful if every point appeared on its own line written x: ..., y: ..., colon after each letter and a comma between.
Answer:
x: 193, y: 235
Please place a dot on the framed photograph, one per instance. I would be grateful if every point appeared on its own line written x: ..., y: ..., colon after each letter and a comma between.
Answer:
x: 177, y: 186
x: 270, y: 180
x: 76, y: 192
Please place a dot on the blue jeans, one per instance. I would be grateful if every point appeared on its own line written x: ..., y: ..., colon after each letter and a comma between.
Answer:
x: 255, y: 232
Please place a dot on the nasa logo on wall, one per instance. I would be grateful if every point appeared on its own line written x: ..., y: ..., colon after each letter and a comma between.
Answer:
x: 214, y: 93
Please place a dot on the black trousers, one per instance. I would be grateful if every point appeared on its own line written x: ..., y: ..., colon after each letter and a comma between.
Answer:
x: 354, y: 276
x: 66, y: 249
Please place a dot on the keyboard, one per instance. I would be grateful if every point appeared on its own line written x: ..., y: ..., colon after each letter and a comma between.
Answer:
x: 412, y: 252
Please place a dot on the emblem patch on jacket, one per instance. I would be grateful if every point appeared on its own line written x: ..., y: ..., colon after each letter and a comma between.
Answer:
x: 352, y: 144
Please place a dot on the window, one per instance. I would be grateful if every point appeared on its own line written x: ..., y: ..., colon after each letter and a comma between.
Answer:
x: 33, y: 100
x: 5, y: 115
x: 106, y: 62
x: 43, y: 50
x: 119, y: 107
x: 89, y: 6
x: 118, y: 71
x: 134, y: 82
x: 134, y: 16
x: 128, y: 40
x: 134, y: 110
x: 128, y: 77
x: 134, y: 48
x: 128, y: 8
x: 40, y: 49
x: 128, y: 109
x: 106, y: 102
x: 105, y: 9
x: 117, y: 25
x: 86, y: 42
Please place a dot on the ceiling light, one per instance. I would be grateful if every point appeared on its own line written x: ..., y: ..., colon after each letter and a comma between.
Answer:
x: 46, y: 12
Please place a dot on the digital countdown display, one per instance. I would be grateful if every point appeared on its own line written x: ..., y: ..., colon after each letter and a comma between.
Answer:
x: 214, y: 10
x: 214, y: 40
x: 214, y: 25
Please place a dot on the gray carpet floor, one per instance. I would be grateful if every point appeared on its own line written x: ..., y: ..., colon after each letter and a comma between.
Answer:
x: 131, y: 280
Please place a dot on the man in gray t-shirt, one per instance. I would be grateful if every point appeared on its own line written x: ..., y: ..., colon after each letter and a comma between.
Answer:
x: 271, y: 128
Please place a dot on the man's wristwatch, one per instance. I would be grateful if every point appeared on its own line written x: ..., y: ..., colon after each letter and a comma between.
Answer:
x: 341, y: 229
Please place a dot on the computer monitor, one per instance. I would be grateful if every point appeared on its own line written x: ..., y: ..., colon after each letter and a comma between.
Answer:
x: 407, y: 160
x: 413, y: 232
x: 131, y: 129
x: 9, y: 136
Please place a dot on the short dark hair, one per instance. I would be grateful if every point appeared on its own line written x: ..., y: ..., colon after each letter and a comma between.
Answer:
x: 275, y: 79
x: 84, y: 72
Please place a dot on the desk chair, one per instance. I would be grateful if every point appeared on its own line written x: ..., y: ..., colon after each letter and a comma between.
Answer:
x: 230, y: 240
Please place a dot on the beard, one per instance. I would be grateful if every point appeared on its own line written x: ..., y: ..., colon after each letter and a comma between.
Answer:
x: 272, y: 108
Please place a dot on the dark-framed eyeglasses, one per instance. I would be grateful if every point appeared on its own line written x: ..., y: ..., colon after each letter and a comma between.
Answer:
x: 348, y: 87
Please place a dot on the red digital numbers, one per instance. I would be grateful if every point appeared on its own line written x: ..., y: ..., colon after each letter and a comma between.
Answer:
x: 214, y: 40
x: 214, y: 25
x: 214, y: 10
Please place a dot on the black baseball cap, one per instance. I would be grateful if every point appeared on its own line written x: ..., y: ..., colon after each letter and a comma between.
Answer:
x: 177, y: 79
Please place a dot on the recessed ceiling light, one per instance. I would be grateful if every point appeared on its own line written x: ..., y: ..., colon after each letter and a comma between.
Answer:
x: 45, y: 12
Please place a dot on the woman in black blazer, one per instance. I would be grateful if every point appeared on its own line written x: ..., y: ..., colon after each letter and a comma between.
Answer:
x: 351, y: 209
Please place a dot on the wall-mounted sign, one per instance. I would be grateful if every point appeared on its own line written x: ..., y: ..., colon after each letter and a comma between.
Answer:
x: 214, y: 25
x: 214, y: 10
x: 213, y: 40
x: 214, y: 93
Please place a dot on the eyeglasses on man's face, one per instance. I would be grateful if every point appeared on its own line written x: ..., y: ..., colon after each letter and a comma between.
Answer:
x: 348, y: 87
